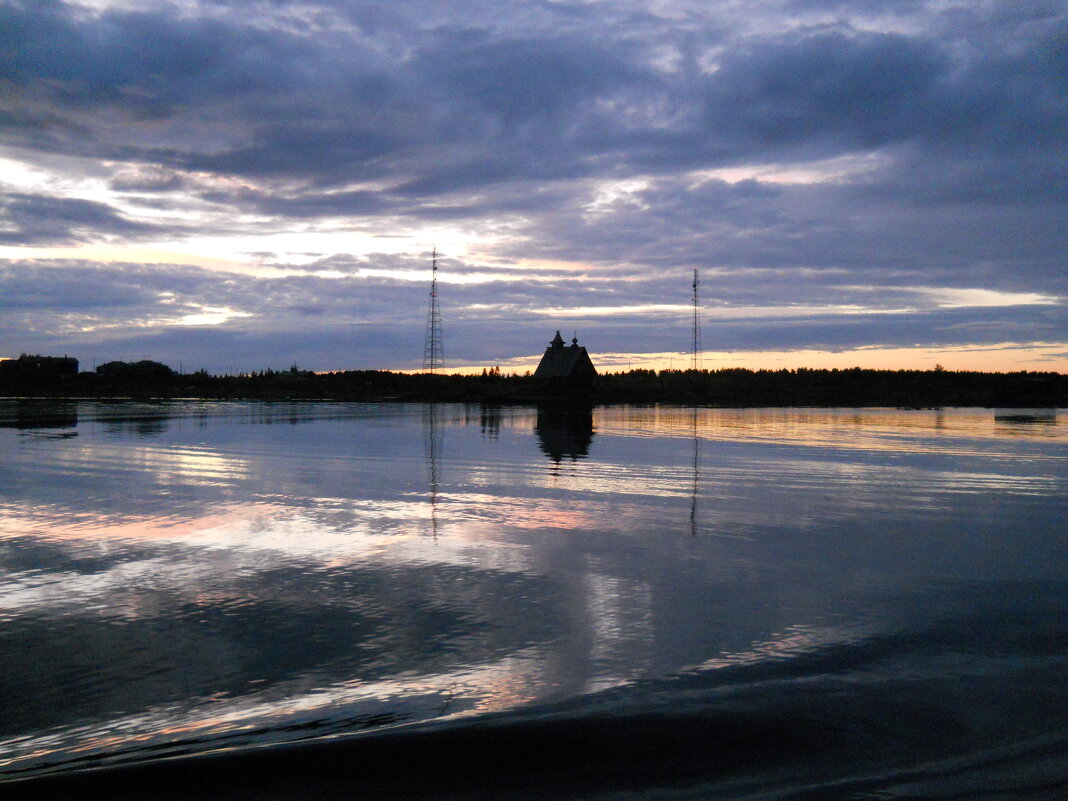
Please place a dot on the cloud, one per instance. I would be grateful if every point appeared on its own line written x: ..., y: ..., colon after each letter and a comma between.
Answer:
x: 28, y: 219
x: 462, y: 106
x: 147, y: 179
x: 374, y: 319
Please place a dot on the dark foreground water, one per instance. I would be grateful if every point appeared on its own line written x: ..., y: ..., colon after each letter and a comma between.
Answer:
x: 400, y: 601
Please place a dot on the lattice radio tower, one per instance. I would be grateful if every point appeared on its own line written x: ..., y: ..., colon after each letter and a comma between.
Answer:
x: 433, y: 350
x: 695, y: 363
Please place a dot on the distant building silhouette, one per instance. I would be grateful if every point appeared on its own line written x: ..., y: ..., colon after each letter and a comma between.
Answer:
x: 144, y: 370
x: 26, y: 366
x: 560, y: 363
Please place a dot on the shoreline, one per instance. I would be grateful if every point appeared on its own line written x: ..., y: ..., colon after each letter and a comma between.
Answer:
x: 731, y: 388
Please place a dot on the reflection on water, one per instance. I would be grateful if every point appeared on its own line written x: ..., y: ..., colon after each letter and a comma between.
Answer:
x: 185, y: 576
x: 1011, y: 421
x: 434, y: 433
x: 564, y: 431
x: 696, y: 474
x: 33, y: 413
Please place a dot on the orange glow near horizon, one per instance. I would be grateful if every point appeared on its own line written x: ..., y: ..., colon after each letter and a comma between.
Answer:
x: 1047, y: 357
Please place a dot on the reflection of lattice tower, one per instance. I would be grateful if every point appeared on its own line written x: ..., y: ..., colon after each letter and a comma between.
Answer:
x: 433, y: 350
x: 433, y: 439
x: 696, y: 362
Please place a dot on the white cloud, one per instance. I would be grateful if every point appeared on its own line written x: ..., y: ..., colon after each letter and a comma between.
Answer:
x: 971, y: 298
x: 209, y: 315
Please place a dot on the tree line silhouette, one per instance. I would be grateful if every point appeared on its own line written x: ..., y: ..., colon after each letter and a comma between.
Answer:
x: 35, y: 376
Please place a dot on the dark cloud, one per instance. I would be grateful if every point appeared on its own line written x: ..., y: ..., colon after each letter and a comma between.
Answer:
x: 27, y: 219
x: 462, y: 105
x: 880, y: 230
x: 826, y: 93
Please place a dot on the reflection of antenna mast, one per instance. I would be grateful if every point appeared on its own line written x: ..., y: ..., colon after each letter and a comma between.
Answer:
x: 433, y: 350
x: 696, y: 455
x: 695, y: 364
x: 433, y: 448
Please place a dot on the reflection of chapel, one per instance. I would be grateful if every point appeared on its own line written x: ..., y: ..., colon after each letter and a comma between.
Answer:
x: 571, y: 363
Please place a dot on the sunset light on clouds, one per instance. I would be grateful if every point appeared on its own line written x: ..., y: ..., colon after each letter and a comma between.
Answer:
x: 236, y: 185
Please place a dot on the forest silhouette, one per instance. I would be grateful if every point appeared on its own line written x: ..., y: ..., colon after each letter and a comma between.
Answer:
x: 33, y: 376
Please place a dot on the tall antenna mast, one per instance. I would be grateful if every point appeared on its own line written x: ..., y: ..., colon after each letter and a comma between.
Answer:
x: 695, y: 363
x: 433, y: 350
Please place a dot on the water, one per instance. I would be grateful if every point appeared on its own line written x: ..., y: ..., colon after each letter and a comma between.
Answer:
x: 623, y: 602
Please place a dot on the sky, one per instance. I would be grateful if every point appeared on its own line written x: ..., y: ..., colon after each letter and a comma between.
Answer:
x: 240, y: 184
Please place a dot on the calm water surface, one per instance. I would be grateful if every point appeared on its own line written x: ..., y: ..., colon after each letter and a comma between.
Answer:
x: 866, y: 603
